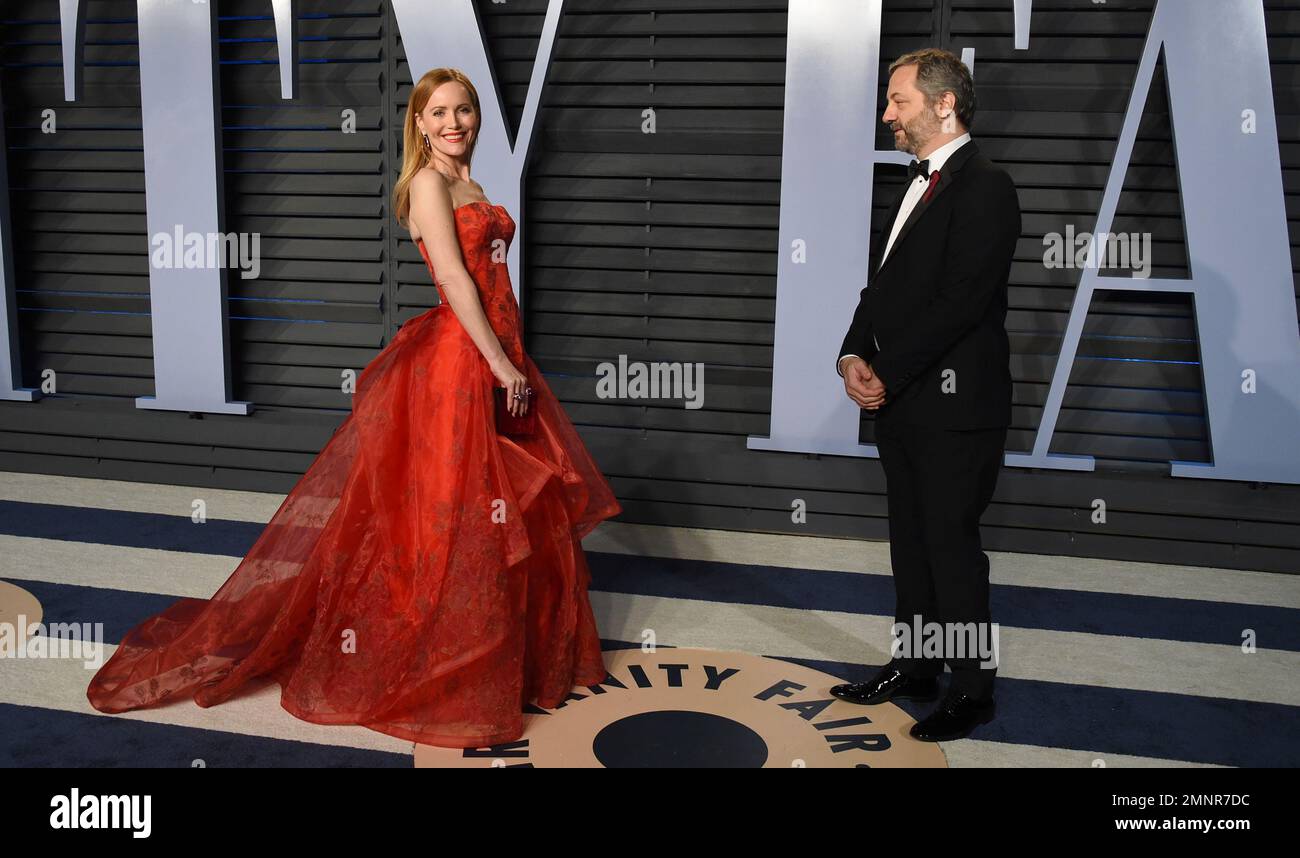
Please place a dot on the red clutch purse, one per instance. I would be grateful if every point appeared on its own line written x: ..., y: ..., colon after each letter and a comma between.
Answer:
x: 509, y: 424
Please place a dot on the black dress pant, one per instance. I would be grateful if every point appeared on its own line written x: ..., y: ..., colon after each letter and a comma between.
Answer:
x: 939, y: 482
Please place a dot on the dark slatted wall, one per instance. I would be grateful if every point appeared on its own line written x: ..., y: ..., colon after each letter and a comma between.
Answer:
x: 1135, y: 393
x: 661, y: 247
x: 308, y: 174
x: 316, y: 195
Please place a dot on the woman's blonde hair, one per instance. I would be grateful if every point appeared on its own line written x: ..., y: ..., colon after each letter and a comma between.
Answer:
x: 415, y: 155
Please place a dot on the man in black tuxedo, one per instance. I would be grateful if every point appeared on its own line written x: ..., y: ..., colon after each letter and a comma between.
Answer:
x: 928, y: 353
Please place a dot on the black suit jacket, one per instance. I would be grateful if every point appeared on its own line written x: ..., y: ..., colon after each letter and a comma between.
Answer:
x: 938, y: 304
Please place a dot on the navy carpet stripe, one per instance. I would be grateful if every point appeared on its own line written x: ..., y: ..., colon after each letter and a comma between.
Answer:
x: 128, y: 529
x: 1121, y: 721
x: 122, y: 610
x: 35, y: 737
x: 1044, y: 608
x: 119, y: 610
x: 1030, y: 712
x: 1151, y: 617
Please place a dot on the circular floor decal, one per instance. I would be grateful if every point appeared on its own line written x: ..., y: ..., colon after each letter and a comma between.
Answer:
x: 16, y: 602
x: 683, y: 708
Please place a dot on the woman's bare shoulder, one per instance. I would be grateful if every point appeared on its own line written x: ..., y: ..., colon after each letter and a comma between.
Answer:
x: 426, y: 181
x: 427, y: 178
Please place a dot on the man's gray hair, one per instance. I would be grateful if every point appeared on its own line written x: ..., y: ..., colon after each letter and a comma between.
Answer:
x: 939, y: 71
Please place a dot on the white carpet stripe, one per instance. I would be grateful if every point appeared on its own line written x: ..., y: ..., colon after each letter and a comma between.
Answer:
x: 768, y: 549
x: 60, y: 683
x: 1099, y: 660
x: 1027, y: 570
x: 980, y: 754
x: 127, y: 496
x: 1088, y: 659
x: 114, y: 567
x: 1068, y: 657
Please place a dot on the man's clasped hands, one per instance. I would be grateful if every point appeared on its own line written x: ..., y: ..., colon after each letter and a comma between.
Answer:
x: 862, y: 384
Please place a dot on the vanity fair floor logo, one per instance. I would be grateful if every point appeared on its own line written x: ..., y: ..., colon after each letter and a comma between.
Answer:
x: 682, y: 708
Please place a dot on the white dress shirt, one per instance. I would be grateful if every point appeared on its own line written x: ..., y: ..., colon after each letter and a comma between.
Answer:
x: 915, y: 191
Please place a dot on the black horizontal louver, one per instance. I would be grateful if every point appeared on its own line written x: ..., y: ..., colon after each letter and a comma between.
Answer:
x: 660, y: 247
x: 1051, y: 115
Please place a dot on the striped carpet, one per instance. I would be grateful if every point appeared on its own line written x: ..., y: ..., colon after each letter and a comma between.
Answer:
x: 1102, y: 662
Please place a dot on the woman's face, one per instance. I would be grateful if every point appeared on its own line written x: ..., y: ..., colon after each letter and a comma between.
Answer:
x: 449, y: 119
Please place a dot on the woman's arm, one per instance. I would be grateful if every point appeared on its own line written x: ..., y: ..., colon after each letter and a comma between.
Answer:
x: 432, y: 214
x: 434, y: 217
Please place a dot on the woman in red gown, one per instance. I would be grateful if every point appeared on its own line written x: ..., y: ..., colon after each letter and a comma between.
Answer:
x: 425, y: 578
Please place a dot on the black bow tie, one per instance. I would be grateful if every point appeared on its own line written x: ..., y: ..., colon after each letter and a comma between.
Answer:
x: 915, y: 169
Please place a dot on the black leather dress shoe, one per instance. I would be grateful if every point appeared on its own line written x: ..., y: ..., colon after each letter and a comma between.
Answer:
x: 886, y: 685
x: 954, y: 719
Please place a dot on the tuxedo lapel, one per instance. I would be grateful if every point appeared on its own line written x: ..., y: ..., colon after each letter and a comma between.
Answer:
x: 889, y: 227
x: 946, y: 176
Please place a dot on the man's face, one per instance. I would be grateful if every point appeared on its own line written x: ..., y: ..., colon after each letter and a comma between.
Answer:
x: 913, y: 122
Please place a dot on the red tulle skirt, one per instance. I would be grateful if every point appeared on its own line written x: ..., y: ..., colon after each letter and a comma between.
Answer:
x: 425, y: 578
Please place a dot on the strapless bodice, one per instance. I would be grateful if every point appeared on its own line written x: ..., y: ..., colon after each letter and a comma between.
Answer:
x: 485, y: 231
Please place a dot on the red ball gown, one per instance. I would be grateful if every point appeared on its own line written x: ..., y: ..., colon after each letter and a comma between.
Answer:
x: 425, y: 577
